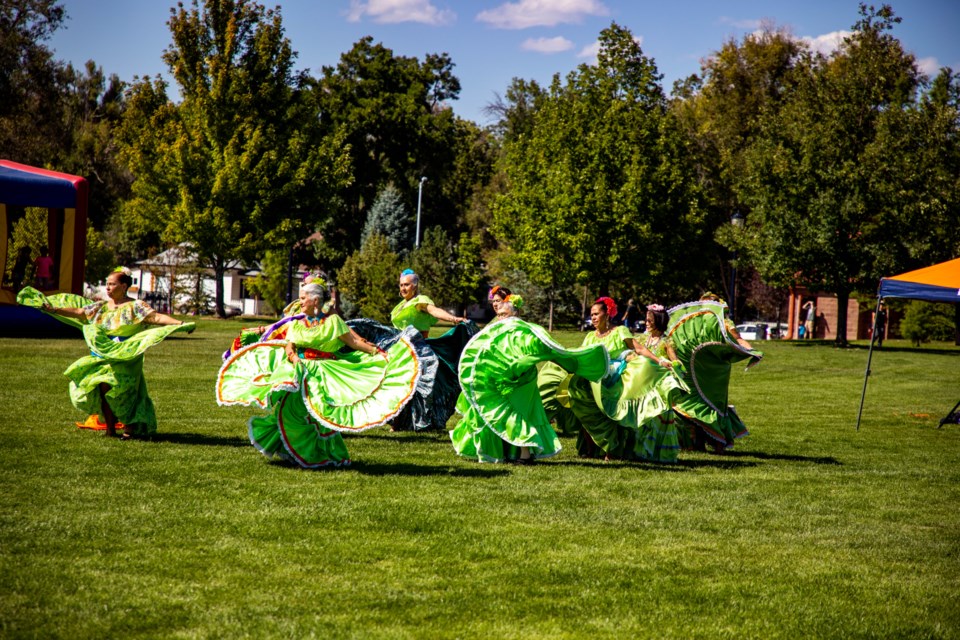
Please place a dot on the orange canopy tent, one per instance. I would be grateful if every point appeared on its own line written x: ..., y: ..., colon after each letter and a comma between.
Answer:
x: 937, y: 283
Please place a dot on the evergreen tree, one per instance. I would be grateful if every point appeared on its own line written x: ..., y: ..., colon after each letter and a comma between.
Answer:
x: 389, y: 218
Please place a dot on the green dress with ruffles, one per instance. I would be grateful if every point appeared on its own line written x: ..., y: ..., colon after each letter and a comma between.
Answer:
x: 326, y: 393
x: 612, y: 414
x: 500, y: 403
x: 117, y: 339
x: 700, y: 336
x: 659, y: 437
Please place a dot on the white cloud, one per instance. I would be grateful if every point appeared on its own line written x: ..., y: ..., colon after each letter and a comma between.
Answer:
x: 741, y: 24
x: 828, y: 42
x: 590, y: 51
x: 393, y: 11
x: 547, y: 45
x: 929, y: 66
x: 541, y: 13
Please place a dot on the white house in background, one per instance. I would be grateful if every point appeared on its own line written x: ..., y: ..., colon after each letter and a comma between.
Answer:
x: 152, y: 278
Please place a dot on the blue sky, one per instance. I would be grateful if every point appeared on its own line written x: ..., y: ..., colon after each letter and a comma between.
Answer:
x: 493, y: 41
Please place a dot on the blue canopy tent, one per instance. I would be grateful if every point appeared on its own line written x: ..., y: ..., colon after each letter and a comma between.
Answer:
x: 937, y: 283
x: 64, y: 196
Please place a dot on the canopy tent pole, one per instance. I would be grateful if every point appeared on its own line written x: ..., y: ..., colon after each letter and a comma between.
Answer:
x: 866, y: 374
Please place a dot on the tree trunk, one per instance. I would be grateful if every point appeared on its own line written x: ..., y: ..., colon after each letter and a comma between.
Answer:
x: 550, y: 323
x: 218, y: 271
x: 843, y: 297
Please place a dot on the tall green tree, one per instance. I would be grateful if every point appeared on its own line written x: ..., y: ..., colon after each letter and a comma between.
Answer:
x: 394, y: 112
x: 821, y: 213
x: 450, y: 273
x: 601, y: 192
x: 53, y: 115
x: 722, y: 111
x: 32, y: 82
x: 240, y: 163
x: 93, y: 110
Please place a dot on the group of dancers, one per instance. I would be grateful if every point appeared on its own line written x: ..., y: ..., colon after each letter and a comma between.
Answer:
x: 625, y: 396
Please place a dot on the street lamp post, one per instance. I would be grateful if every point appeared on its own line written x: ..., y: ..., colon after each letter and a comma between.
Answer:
x: 419, y: 201
x: 737, y: 221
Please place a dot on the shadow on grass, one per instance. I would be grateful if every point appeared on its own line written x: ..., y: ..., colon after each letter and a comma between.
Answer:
x: 407, y: 469
x: 398, y: 469
x: 762, y: 455
x: 200, y: 439
x: 682, y: 465
x: 423, y: 436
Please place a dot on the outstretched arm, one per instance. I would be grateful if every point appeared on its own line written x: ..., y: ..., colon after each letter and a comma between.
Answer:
x: 352, y: 340
x: 162, y: 319
x: 736, y: 336
x: 69, y: 312
x: 440, y: 314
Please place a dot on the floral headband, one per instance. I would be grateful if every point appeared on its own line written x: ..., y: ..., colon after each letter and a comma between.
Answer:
x: 654, y: 307
x: 313, y: 278
x: 515, y: 300
x: 610, y: 305
x: 494, y: 291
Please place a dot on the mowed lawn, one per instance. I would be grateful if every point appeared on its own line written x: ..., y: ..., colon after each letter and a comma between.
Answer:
x: 808, y: 528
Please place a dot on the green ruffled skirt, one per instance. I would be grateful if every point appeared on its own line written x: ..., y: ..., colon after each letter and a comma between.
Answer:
x: 500, y: 402
x: 708, y: 353
x: 629, y: 418
x: 314, y: 401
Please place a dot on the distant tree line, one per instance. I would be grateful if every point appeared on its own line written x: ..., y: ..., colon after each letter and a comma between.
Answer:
x: 842, y: 168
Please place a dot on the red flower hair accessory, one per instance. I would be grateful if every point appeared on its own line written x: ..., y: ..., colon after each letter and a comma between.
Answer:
x: 610, y: 305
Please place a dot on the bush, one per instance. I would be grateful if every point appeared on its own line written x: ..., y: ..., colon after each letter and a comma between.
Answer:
x: 368, y: 280
x: 926, y: 321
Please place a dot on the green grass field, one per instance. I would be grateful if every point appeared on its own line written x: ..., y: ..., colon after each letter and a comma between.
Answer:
x: 808, y: 528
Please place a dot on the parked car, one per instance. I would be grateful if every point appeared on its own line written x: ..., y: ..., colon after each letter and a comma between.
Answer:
x: 752, y: 331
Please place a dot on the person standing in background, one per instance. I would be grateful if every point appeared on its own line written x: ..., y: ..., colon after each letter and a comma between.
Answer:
x: 808, y: 319
x: 881, y: 325
x: 44, y: 270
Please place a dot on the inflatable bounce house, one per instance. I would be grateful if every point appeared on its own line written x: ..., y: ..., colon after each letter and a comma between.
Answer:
x: 51, y: 259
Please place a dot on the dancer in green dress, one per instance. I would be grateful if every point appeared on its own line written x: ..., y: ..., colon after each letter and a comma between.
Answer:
x: 659, y: 439
x: 708, y: 345
x: 316, y: 391
x: 502, y: 417
x: 118, y: 331
x: 437, y: 390
x: 612, y: 416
